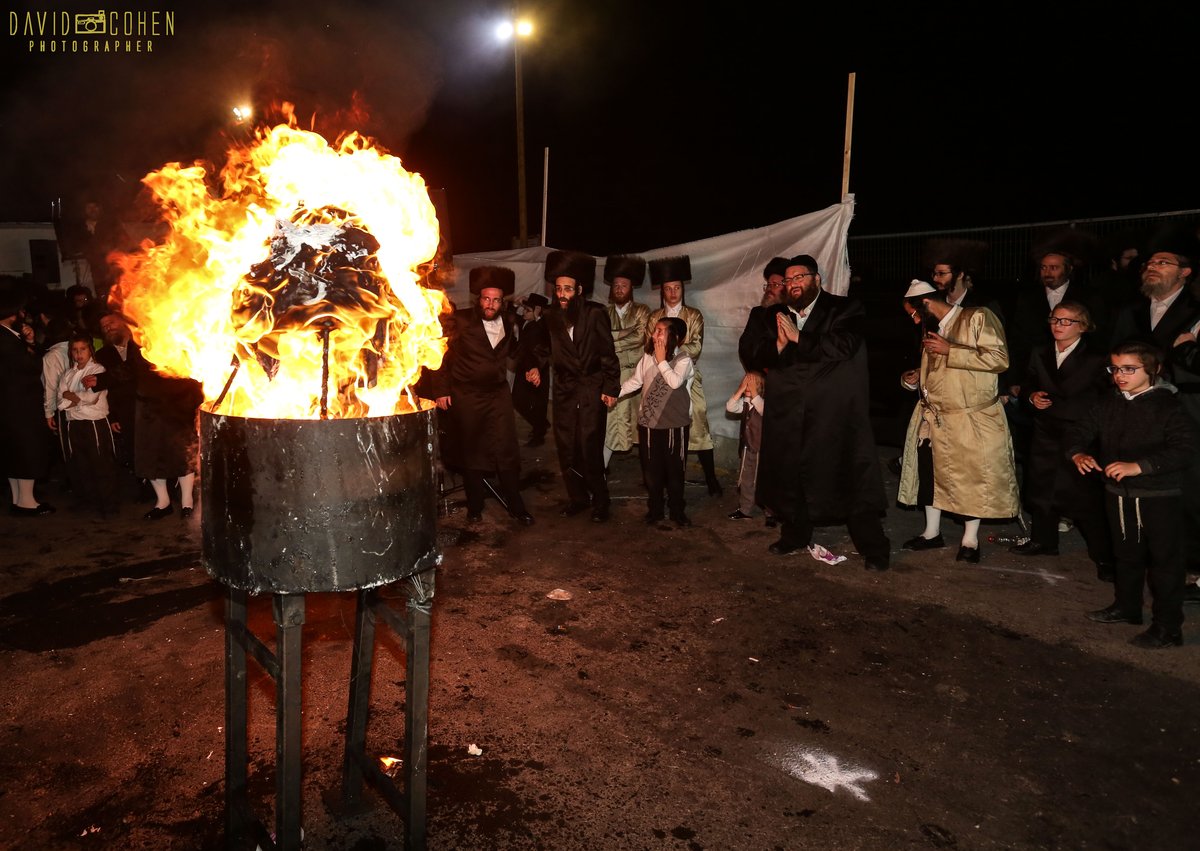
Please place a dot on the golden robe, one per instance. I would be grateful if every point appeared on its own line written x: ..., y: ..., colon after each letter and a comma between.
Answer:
x: 961, y: 414
x: 700, y: 437
x: 629, y: 339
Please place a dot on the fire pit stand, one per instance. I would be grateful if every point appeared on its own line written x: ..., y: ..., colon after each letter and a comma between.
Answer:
x: 301, y: 506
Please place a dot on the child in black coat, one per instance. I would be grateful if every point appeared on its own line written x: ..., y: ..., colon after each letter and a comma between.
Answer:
x: 1143, y: 441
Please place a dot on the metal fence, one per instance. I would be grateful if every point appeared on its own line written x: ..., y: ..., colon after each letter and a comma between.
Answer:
x: 898, y: 257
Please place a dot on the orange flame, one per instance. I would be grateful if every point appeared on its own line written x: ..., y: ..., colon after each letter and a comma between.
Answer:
x: 218, y: 295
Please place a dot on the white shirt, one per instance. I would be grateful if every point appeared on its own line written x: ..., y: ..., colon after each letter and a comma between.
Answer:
x: 948, y: 320
x: 55, y: 362
x: 801, y: 316
x: 1059, y: 357
x: 91, y: 405
x: 495, y: 330
x: 674, y: 311
x: 1158, y: 308
x: 1053, y: 297
x: 682, y: 373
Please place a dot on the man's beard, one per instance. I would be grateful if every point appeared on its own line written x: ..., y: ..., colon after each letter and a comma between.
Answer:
x: 802, y: 299
x: 573, y: 310
x: 1155, y: 289
x: 620, y: 301
x: 769, y: 298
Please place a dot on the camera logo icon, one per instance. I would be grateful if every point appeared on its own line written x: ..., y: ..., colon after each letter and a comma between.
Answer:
x: 91, y: 24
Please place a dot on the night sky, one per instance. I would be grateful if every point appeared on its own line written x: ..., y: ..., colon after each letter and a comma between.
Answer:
x: 666, y: 121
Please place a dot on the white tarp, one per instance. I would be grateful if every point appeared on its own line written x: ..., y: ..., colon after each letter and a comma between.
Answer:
x: 726, y: 283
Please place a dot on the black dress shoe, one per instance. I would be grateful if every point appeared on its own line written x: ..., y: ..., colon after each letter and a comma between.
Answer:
x: 158, y: 513
x: 783, y: 548
x: 43, y: 508
x: 186, y: 512
x: 681, y: 520
x: 922, y: 543
x: 573, y: 508
x: 1113, y: 614
x: 1107, y: 572
x: 1033, y: 548
x: 1157, y: 637
x: 651, y: 518
x: 738, y: 515
x: 878, y: 564
x: 968, y: 554
x: 524, y: 518
x: 600, y: 514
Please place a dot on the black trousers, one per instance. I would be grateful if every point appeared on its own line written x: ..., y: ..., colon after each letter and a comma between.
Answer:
x: 92, y: 463
x: 579, y: 438
x: 1147, y: 538
x: 865, y: 528
x: 476, y: 490
x: 663, y: 461
x: 1090, y: 519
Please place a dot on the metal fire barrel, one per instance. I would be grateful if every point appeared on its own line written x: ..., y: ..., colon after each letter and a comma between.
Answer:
x: 299, y: 506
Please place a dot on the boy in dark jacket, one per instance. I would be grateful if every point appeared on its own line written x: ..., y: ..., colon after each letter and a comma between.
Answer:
x: 1145, y: 441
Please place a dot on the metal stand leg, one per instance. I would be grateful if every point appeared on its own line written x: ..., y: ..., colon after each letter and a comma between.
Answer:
x: 416, y: 721
x: 360, y: 704
x: 236, y: 807
x: 288, y: 612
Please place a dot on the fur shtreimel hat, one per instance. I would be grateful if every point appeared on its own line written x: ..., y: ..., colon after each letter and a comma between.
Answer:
x: 492, y: 277
x: 663, y: 270
x: 575, y: 265
x: 625, y: 266
x: 1176, y: 240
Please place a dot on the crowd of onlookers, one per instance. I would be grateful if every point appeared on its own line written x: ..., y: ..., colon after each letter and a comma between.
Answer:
x: 83, y: 407
x: 1075, y: 399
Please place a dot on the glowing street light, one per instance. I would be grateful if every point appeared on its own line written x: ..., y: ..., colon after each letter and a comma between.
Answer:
x: 518, y: 29
x: 241, y: 114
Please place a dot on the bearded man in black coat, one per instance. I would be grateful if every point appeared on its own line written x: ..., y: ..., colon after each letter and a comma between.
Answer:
x: 819, y: 465
x: 472, y: 385
x: 587, y: 379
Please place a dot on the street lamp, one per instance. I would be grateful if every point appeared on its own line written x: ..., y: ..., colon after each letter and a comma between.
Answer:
x: 516, y: 30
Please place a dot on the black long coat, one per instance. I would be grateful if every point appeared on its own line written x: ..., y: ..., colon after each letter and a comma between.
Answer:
x: 475, y: 377
x: 1051, y: 480
x: 167, y: 444
x: 120, y: 379
x: 584, y: 368
x: 817, y: 442
x: 1133, y: 323
x: 24, y: 436
x: 531, y: 402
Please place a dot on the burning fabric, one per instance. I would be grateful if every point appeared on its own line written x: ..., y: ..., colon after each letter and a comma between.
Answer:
x: 299, y: 276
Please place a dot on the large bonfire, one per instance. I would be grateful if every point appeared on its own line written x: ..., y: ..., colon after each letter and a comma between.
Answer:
x: 300, y: 257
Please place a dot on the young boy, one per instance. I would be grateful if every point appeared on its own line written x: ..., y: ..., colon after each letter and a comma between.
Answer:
x: 1145, y: 441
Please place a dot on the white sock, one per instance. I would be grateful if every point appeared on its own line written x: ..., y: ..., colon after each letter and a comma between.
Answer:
x: 23, y: 493
x: 933, y: 522
x: 971, y: 534
x: 607, y: 455
x: 160, y: 491
x: 185, y: 490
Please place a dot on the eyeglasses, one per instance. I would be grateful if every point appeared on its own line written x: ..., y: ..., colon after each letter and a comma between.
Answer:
x: 1158, y: 264
x: 1062, y: 320
x: 794, y: 278
x: 1124, y: 370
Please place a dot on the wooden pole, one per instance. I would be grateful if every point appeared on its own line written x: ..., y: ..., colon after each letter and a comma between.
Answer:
x: 523, y: 226
x: 545, y: 190
x: 849, y: 136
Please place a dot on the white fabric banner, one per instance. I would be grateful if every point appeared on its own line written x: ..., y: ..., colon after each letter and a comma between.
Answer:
x: 726, y: 283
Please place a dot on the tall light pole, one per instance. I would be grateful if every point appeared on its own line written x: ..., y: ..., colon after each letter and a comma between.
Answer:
x: 518, y: 29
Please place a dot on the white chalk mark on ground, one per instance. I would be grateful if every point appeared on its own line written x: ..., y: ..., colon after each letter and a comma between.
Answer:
x: 827, y: 771
x: 1041, y: 572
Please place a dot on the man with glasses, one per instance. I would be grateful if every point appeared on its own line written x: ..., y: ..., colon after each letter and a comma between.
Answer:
x: 472, y: 388
x: 1169, y: 317
x: 587, y: 379
x: 819, y: 464
x: 774, y: 291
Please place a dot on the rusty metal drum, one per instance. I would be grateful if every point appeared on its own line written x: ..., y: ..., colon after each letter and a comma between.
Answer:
x: 299, y: 506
